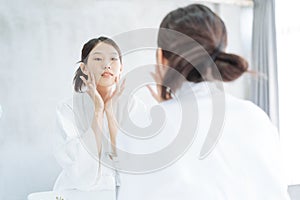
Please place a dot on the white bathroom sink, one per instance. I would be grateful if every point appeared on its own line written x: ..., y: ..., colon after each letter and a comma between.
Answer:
x: 73, y: 195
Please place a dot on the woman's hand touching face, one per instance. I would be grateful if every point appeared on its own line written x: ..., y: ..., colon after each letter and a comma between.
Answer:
x: 110, y: 103
x: 92, y: 91
x: 158, y: 76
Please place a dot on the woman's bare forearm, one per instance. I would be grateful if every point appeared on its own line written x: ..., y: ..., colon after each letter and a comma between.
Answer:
x: 113, y: 129
x: 99, y: 108
x: 97, y: 128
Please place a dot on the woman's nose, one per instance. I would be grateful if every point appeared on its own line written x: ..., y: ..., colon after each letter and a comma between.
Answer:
x: 107, y: 67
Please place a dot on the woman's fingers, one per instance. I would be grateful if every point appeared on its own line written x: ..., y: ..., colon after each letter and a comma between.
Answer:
x: 154, y: 76
x: 84, y: 80
x: 154, y: 94
x: 118, y: 91
x: 158, y: 71
x: 88, y: 74
x: 93, y: 79
x: 123, y: 84
x: 90, y: 77
x: 119, y: 88
x: 117, y: 84
x: 122, y: 87
x: 157, y: 78
x: 159, y: 82
x: 90, y: 81
x: 86, y: 83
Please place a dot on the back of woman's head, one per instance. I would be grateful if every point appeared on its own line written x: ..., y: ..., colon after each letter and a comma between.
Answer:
x: 86, y: 49
x: 206, y: 29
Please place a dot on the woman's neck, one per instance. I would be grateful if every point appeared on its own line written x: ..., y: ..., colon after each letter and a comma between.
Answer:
x: 104, y: 92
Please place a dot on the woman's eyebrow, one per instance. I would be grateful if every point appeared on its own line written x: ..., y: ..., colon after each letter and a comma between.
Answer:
x: 98, y: 52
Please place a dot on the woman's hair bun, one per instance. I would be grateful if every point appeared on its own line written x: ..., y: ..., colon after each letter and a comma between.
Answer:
x: 230, y: 66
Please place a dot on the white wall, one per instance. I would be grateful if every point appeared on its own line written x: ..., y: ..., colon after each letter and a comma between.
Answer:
x: 40, y: 43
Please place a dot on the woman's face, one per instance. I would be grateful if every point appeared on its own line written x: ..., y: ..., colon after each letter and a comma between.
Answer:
x: 104, y: 62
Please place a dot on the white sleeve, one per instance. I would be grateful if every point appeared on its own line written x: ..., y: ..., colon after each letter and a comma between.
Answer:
x: 77, y: 154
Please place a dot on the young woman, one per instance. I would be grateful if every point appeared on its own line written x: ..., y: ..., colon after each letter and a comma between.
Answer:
x: 242, y: 161
x: 89, y: 122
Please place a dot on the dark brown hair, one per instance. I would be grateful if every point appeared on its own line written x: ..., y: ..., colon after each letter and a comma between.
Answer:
x: 87, y: 48
x: 204, y: 27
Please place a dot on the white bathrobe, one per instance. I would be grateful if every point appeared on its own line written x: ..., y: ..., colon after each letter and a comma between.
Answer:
x: 244, y: 164
x: 77, y: 153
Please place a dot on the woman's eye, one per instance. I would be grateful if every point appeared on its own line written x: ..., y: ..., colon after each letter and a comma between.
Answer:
x: 114, y: 59
x: 98, y: 59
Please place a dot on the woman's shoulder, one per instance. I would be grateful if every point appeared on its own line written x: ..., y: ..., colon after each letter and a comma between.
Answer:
x: 64, y: 106
x: 249, y: 116
x: 244, y: 106
x: 73, y: 107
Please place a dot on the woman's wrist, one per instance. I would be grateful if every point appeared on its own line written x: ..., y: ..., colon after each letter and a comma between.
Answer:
x: 110, y: 114
x: 109, y: 109
x: 98, y: 113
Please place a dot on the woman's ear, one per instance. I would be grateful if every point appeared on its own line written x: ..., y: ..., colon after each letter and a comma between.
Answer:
x: 83, y: 68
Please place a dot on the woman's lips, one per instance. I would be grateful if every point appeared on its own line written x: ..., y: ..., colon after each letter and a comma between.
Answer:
x: 106, y: 74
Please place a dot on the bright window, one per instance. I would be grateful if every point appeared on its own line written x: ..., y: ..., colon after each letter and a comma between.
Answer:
x: 288, y: 48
